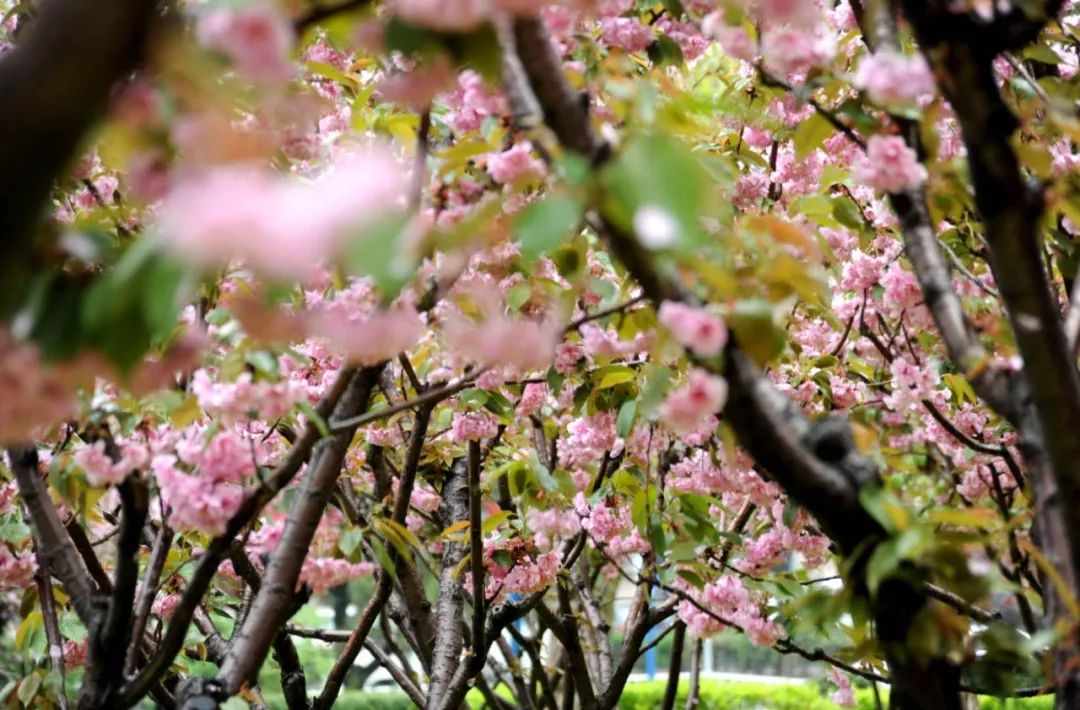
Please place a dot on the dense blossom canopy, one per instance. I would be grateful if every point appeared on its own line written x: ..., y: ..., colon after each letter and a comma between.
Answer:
x: 498, y: 315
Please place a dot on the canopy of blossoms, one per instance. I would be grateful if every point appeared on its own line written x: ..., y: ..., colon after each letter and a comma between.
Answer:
x: 530, y: 325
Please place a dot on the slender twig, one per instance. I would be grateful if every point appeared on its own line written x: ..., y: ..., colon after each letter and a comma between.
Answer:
x: 431, y: 396
x: 476, y: 548
x: 400, y: 676
x: 43, y: 579
x: 384, y: 583
x: 146, y: 598
x: 774, y: 81
x: 604, y: 313
x: 961, y: 605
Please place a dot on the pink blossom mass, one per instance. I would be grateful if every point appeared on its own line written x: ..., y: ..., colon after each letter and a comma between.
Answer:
x: 582, y: 354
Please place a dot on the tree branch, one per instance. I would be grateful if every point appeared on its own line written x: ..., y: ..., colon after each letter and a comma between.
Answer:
x: 384, y: 582
x: 146, y: 599
x: 105, y: 663
x: 476, y: 547
x: 215, y: 552
x: 252, y: 642
x: 54, y: 545
x: 448, y: 616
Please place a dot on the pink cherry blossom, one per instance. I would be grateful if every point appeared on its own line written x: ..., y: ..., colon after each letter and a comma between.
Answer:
x: 788, y: 50
x: 889, y: 165
x: 696, y: 328
x: 625, y: 33
x: 324, y: 573
x: 552, y: 524
x: 728, y: 599
x: 515, y: 164
x: 473, y: 426
x: 590, y: 437
x: 685, y: 408
x: 444, y: 15
x: 370, y: 338
x: 567, y: 356
x: 99, y: 467
x: 164, y: 605
x: 280, y: 227
x: 844, y: 695
x: 233, y: 401
x: 889, y: 77
x: 16, y: 569
x: 195, y: 502
x: 803, y: 13
x: 257, y: 39
x: 521, y: 344
x: 228, y: 458
x: 532, y: 398
x: 471, y: 102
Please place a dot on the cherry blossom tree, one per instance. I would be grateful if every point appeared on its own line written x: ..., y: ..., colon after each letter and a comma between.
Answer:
x: 760, y: 314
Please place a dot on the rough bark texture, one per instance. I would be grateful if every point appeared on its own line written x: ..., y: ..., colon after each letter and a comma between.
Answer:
x: 1044, y: 403
x: 449, y: 641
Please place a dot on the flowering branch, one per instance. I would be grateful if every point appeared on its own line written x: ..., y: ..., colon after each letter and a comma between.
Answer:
x: 54, y: 545
x: 817, y: 464
x: 252, y: 642
x: 216, y: 551
x: 384, y: 580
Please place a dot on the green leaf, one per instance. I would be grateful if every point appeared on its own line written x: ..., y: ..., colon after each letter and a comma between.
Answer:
x: 664, y: 51
x: 694, y: 580
x: 495, y: 520
x: 71, y: 627
x: 657, y: 378
x: 14, y: 532
x: 544, y: 224
x: 810, y: 134
x: 624, y: 422
x: 756, y: 330
x: 613, y: 375
x: 132, y: 305
x: 263, y: 361
x: 28, y: 688
x: 847, y: 213
x: 349, y: 541
x: 309, y: 411
x: 517, y: 295
x: 1041, y: 53
x: 658, y: 171
x: 376, y: 250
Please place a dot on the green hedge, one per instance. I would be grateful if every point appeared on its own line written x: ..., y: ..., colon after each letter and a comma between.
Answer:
x: 730, y: 695
x: 715, y: 695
